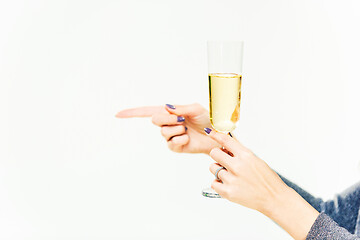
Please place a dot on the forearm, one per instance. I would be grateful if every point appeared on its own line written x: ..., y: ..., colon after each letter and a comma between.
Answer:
x: 291, y: 212
x: 343, y: 209
x: 313, y: 201
x: 302, y: 221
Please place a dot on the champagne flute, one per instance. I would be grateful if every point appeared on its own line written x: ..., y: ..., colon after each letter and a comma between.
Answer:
x: 225, y: 74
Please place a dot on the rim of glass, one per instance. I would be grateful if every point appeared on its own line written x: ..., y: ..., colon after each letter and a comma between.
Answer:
x: 225, y: 41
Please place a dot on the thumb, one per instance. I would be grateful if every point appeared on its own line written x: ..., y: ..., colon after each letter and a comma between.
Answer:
x: 190, y: 110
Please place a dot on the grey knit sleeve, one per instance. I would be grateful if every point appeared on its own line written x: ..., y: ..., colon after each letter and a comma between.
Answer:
x: 324, y: 228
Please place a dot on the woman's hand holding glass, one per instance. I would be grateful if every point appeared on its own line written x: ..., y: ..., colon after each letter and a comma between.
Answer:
x: 249, y: 181
x: 246, y: 179
x: 182, y: 126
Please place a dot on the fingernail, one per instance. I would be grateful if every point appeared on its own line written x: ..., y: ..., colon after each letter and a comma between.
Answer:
x: 207, y: 130
x: 186, y: 128
x: 180, y: 119
x: 170, y: 106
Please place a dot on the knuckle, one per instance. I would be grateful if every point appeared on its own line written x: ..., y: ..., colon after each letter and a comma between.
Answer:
x: 212, y: 152
x: 173, y: 147
x: 246, y: 155
x: 178, y: 140
x: 236, y: 165
x: 219, y: 139
x: 238, y: 168
x: 212, y: 167
x: 154, y: 119
x: 222, y: 140
x: 174, y: 141
x: 226, y: 140
x: 231, y: 180
x: 215, y: 153
x: 177, y: 149
x: 196, y: 105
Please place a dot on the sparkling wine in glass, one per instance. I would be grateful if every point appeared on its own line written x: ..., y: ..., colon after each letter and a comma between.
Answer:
x: 225, y: 74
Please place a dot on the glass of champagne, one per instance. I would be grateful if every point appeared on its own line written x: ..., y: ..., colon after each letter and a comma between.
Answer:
x: 225, y: 74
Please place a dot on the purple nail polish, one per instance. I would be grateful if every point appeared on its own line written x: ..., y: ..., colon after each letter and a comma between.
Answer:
x: 170, y: 106
x: 180, y: 119
x: 207, y: 130
x: 186, y: 128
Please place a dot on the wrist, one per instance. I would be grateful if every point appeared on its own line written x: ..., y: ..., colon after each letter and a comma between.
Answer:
x: 291, y: 212
x: 275, y: 202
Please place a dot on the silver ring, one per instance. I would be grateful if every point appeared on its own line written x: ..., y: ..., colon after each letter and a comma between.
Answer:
x: 217, y: 172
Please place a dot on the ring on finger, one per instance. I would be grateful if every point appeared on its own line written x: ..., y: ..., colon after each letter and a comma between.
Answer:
x: 217, y: 173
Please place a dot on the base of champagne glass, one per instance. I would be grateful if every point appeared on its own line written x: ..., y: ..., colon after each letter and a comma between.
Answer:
x: 210, y: 193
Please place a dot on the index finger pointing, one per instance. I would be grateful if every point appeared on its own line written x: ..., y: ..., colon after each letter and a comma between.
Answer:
x: 147, y: 111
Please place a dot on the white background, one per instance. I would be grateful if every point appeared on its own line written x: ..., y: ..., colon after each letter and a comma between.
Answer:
x: 70, y: 170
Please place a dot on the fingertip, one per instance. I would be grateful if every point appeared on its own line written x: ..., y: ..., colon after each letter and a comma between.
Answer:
x: 180, y: 119
x: 218, y: 136
x: 170, y: 110
x: 208, y: 130
x: 176, y: 143
x: 215, y: 185
x: 212, y: 151
x: 213, y: 167
x: 230, y: 144
x: 181, y: 140
x: 170, y: 106
x: 118, y: 115
x: 126, y: 113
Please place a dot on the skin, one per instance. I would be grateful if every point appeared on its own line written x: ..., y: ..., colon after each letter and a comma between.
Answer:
x: 246, y: 180
x: 193, y: 140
